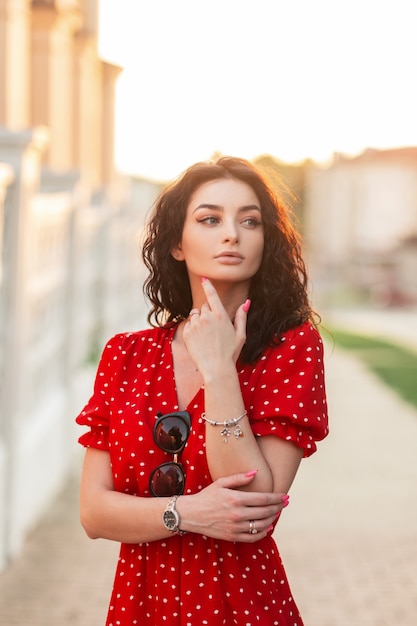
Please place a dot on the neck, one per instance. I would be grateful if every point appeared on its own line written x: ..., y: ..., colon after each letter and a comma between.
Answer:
x: 232, y: 295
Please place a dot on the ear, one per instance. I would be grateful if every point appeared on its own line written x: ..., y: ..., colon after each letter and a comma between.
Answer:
x: 177, y: 253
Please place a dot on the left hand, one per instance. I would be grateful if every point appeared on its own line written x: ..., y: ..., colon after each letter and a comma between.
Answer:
x: 211, y: 338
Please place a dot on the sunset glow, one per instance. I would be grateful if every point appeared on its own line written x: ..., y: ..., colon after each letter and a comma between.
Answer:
x: 296, y: 79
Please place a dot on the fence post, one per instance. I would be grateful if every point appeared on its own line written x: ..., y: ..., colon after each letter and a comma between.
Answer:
x: 22, y: 151
x: 6, y: 179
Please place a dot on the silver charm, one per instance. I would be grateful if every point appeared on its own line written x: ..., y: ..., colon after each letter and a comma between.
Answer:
x: 237, y: 431
x: 225, y: 433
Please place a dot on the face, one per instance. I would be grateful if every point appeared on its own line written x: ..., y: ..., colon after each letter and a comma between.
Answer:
x: 222, y: 237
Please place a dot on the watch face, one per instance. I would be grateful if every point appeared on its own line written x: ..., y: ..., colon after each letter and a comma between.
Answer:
x: 170, y: 520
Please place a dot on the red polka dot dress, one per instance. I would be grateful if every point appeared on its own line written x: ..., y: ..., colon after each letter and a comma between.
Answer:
x: 192, y: 580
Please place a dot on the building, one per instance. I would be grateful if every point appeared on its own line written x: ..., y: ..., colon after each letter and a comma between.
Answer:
x: 361, y: 218
x: 69, y: 227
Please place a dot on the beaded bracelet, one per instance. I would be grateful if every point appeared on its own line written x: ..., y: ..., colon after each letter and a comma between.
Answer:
x: 226, y: 432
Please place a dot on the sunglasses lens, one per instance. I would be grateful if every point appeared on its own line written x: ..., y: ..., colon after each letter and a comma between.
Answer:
x: 171, y: 434
x: 167, y: 480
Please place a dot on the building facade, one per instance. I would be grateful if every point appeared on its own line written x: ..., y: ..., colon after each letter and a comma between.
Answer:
x: 51, y: 75
x: 361, y: 225
x: 69, y: 227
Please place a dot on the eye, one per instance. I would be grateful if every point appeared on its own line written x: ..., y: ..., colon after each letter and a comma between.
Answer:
x: 209, y: 219
x: 252, y: 222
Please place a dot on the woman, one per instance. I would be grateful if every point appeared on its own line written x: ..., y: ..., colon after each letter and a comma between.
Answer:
x: 197, y: 426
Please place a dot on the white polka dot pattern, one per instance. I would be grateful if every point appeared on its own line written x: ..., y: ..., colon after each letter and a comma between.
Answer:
x: 192, y: 579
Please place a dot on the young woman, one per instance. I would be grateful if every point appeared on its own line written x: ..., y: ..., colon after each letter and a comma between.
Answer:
x: 197, y: 425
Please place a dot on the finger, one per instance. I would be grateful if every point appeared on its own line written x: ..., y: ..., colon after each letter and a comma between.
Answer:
x: 237, y: 480
x: 265, y: 502
x: 241, y: 318
x: 253, y: 526
x: 262, y: 515
x: 194, y: 315
x: 205, y: 308
x: 247, y: 537
x: 212, y: 296
x: 258, y: 526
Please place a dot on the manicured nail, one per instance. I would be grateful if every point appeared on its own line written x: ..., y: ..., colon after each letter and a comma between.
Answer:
x: 203, y: 279
x: 285, y: 501
x: 268, y: 530
x: 246, y: 306
x: 252, y: 473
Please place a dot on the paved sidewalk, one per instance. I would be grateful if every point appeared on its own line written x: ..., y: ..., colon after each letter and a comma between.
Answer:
x: 348, y: 538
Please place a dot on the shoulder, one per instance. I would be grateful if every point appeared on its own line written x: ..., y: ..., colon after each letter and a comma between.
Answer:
x: 304, y: 338
x: 299, y: 347
x: 128, y: 342
x: 305, y: 335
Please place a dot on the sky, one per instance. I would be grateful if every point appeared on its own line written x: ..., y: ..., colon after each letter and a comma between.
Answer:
x: 295, y: 79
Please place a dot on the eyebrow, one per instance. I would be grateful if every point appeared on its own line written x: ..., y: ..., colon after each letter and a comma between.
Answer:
x: 216, y: 207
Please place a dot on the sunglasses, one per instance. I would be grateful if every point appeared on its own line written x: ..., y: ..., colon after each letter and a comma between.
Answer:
x: 170, y: 433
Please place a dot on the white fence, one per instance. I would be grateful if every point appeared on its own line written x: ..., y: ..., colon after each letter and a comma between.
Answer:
x: 70, y: 276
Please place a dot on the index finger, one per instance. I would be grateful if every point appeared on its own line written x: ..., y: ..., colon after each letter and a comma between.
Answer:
x: 212, y: 296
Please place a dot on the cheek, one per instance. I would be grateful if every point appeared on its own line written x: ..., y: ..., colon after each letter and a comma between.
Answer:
x: 194, y: 239
x: 258, y: 250
x: 194, y: 248
x: 257, y: 264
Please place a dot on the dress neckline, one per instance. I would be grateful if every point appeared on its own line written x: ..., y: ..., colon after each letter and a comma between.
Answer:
x: 194, y: 400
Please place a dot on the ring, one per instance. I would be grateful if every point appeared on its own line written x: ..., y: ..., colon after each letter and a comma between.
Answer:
x: 252, y: 529
x: 194, y: 312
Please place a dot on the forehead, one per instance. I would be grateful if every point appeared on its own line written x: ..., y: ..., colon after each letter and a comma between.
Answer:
x: 224, y: 192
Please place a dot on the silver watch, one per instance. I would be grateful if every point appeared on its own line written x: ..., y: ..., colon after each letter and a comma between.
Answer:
x: 170, y: 517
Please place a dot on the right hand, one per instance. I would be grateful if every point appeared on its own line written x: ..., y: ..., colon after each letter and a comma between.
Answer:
x: 224, y: 512
x: 211, y: 338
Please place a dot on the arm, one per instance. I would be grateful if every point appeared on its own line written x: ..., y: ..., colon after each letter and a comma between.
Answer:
x: 214, y: 344
x: 110, y: 514
x: 276, y: 459
x: 220, y: 510
x: 223, y: 401
x: 284, y: 458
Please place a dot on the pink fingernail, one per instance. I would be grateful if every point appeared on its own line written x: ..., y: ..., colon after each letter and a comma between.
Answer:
x: 252, y: 473
x: 246, y: 306
x: 268, y: 530
x: 203, y: 278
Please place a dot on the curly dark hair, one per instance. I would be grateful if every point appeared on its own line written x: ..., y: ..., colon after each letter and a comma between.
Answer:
x: 278, y: 291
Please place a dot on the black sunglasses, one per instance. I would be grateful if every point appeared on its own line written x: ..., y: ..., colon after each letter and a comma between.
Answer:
x: 170, y: 433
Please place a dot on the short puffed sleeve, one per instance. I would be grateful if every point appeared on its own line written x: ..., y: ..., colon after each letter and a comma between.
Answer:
x: 288, y: 390
x: 96, y: 413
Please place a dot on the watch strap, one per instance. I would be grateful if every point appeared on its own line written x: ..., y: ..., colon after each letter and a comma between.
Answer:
x: 171, y: 507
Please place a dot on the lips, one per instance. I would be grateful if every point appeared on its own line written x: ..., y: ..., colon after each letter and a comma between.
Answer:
x: 230, y: 254
x: 229, y: 258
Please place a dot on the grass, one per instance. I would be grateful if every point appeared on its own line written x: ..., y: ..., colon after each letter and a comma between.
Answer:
x: 393, y: 364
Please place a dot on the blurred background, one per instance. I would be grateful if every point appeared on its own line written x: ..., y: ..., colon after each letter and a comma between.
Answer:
x: 102, y: 102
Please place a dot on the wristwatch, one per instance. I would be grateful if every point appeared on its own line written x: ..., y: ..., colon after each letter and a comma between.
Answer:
x: 171, y: 519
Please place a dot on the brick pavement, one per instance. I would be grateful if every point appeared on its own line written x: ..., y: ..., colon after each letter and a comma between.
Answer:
x: 348, y: 539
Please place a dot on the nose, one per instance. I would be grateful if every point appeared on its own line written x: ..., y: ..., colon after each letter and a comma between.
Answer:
x: 230, y: 233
